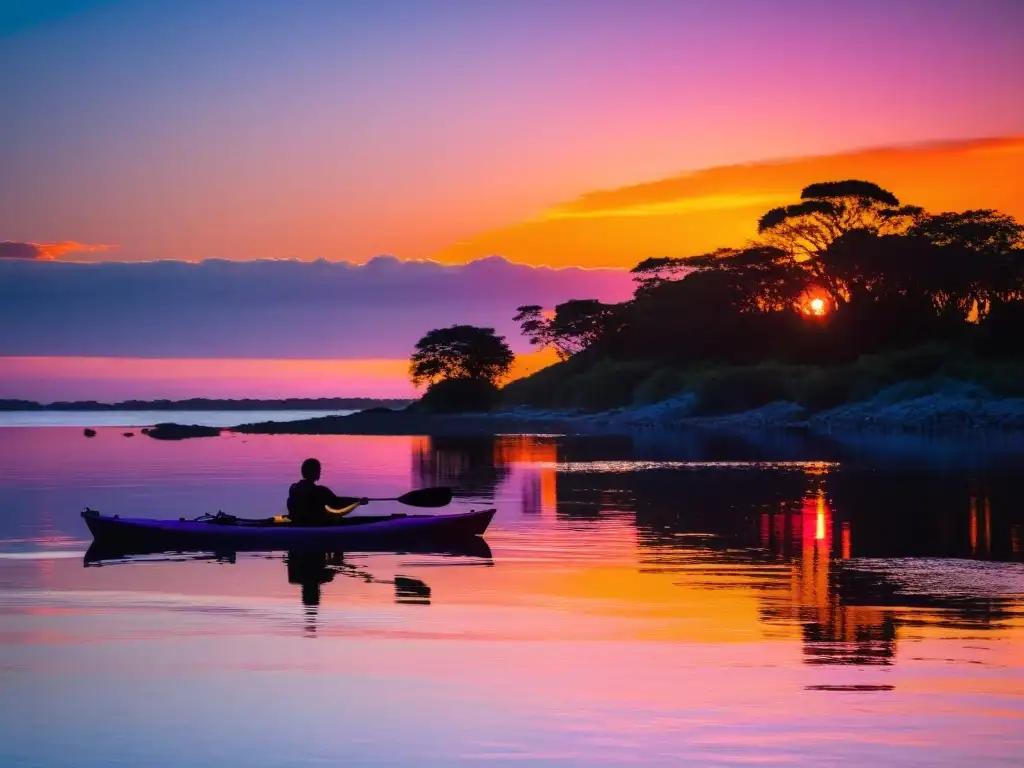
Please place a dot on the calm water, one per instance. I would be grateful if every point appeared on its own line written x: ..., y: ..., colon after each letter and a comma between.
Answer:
x: 644, y: 601
x: 149, y: 418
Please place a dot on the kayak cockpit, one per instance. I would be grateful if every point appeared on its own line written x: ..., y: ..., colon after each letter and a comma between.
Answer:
x: 281, y: 521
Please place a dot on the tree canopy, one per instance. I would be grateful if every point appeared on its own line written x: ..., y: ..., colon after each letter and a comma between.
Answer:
x: 574, y: 326
x: 650, y: 273
x: 460, y: 352
x: 982, y: 230
x: 845, y: 271
x: 827, y: 211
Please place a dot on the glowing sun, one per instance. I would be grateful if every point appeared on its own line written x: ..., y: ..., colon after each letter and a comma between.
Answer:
x: 817, y: 306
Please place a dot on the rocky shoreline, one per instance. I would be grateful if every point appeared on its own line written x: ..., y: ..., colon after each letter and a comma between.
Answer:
x: 960, y: 409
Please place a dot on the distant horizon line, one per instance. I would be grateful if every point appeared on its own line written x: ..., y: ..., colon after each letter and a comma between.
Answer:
x: 202, y: 403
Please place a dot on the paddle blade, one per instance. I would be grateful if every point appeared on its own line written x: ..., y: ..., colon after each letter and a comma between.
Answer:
x: 411, y: 591
x: 427, y: 497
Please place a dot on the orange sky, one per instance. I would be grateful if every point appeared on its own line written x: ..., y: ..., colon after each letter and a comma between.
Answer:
x: 125, y: 378
x: 697, y: 212
x: 180, y: 130
x: 676, y: 216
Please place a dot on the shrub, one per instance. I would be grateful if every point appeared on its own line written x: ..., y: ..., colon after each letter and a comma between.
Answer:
x: 918, y: 362
x: 660, y: 385
x: 608, y: 384
x: 459, y: 396
x: 730, y: 390
x: 824, y: 388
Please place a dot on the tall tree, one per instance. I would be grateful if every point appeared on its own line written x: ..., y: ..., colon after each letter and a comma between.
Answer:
x: 460, y: 352
x: 764, y: 278
x: 652, y: 272
x: 534, y: 325
x: 959, y: 282
x: 581, y: 323
x: 575, y: 325
x: 983, y: 230
x: 828, y: 210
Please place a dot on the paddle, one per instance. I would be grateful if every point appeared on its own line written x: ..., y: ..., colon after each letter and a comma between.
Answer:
x: 424, y: 497
x: 407, y: 589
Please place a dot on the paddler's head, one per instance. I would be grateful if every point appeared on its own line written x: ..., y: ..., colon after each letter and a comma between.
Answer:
x: 311, y: 470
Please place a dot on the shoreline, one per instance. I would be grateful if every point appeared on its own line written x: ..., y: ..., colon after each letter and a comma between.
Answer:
x: 962, y: 412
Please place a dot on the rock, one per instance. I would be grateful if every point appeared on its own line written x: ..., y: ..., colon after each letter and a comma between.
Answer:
x: 180, y: 431
x: 780, y: 414
x: 955, y: 409
x: 129, y: 434
x: 89, y: 432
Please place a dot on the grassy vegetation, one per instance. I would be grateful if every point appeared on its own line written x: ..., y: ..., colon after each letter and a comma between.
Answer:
x: 600, y: 384
x: 582, y: 382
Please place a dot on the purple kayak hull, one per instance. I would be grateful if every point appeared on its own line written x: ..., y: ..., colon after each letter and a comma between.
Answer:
x: 353, y: 532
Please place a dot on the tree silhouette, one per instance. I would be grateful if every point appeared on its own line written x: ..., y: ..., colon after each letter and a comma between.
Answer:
x: 650, y: 273
x: 460, y: 352
x: 828, y: 210
x: 892, y: 277
x: 580, y: 323
x: 534, y: 325
x: 576, y: 325
x: 983, y: 230
x: 763, y: 278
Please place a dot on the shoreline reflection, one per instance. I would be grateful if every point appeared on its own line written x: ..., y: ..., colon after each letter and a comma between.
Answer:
x: 840, y: 535
x: 696, y: 601
x: 850, y: 560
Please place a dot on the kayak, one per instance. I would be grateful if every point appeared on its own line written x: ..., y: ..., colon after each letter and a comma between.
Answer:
x: 229, y: 533
x: 103, y: 552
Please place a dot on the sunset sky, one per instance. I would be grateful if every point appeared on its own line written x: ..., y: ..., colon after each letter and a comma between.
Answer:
x: 568, y: 133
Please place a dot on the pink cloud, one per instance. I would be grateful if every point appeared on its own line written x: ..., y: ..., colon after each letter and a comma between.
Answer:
x: 10, y: 249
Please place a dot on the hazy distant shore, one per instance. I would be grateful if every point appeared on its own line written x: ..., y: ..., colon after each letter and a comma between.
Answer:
x: 211, y: 404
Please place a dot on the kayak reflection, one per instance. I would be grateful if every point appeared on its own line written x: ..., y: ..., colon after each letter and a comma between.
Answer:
x: 103, y: 553
x: 309, y: 569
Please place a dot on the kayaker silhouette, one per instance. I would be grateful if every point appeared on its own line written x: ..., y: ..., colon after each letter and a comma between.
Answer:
x: 311, y: 504
x: 310, y: 570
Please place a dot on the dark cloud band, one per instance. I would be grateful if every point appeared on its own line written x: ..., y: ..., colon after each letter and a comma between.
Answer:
x: 270, y: 308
